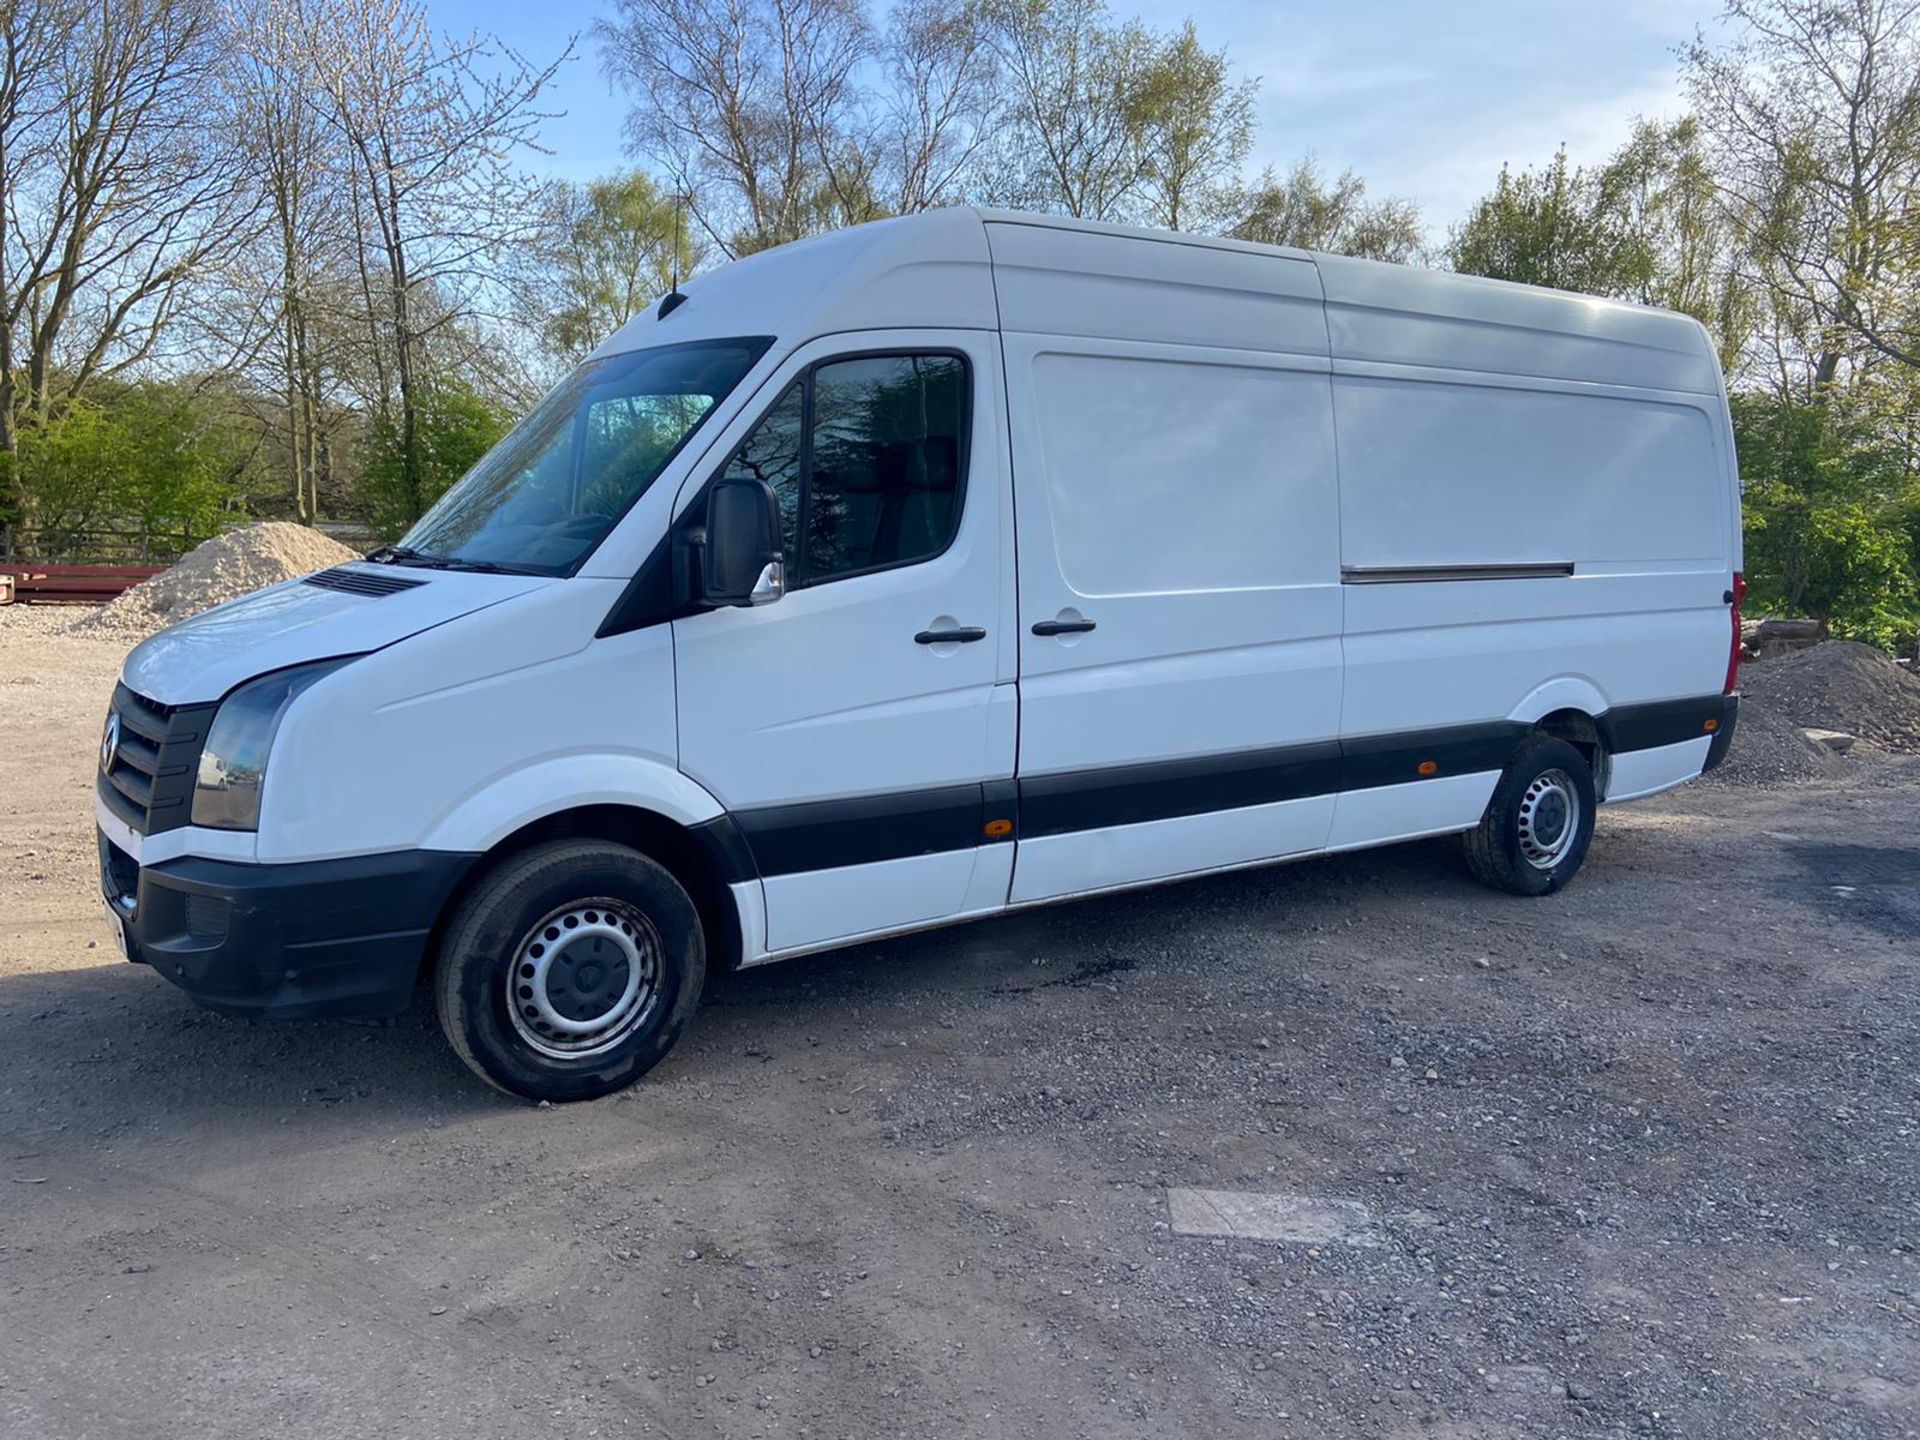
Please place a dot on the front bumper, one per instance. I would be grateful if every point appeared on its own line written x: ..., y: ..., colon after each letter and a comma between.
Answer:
x: 295, y: 941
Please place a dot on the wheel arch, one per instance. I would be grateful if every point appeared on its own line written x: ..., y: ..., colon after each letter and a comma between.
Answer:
x: 1572, y: 708
x: 706, y: 859
x: 1587, y: 734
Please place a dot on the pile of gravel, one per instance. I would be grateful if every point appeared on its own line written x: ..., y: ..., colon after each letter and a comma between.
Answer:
x: 225, y: 568
x: 1838, y: 685
x: 1768, y: 749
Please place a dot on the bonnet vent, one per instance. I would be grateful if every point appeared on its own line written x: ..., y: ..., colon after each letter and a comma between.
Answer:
x: 362, y: 582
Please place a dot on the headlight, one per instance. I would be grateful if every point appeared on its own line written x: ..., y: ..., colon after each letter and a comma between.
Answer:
x: 233, y: 763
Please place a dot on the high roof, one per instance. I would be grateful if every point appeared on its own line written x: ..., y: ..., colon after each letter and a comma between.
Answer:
x: 930, y: 270
x: 937, y: 271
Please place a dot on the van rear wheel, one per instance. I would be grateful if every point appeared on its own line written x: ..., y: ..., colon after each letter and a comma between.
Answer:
x: 1539, y: 823
x: 569, y: 972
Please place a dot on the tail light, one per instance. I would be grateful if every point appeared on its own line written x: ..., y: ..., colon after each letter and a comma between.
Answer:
x: 1735, y: 596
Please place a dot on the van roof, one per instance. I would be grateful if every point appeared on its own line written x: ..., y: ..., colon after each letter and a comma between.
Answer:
x: 936, y: 270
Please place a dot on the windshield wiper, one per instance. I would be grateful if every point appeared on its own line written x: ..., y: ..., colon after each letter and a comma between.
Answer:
x: 404, y: 555
x: 401, y: 555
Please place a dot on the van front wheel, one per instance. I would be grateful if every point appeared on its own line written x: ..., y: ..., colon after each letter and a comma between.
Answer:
x: 569, y: 972
x: 1539, y: 823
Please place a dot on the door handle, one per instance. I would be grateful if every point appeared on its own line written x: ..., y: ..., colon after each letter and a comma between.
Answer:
x: 959, y: 635
x: 1062, y: 627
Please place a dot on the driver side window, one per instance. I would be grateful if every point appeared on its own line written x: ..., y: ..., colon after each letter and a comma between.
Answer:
x: 867, y: 456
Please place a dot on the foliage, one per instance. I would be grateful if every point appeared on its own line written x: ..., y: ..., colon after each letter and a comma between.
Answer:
x: 117, y: 189
x: 616, y: 246
x: 1828, y: 510
x: 1811, y: 112
x: 1307, y: 210
x: 1194, y: 127
x: 1559, y: 226
x: 454, y: 427
x: 154, y: 457
x: 1661, y: 187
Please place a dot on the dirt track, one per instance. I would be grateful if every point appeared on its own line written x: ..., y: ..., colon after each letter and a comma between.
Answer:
x: 1663, y: 1177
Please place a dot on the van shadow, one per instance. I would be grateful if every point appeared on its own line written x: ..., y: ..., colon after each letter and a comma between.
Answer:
x: 111, y: 1046
x: 1077, y: 938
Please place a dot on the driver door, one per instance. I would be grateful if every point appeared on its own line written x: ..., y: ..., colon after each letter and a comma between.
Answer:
x: 860, y: 728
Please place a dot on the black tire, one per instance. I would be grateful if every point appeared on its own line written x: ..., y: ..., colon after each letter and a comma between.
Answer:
x: 1506, y: 850
x: 601, y: 893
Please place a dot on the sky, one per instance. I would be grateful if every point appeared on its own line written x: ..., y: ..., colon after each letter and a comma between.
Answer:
x: 1425, y: 99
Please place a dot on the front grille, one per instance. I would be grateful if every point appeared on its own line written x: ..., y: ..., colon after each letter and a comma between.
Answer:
x: 207, y: 917
x: 362, y: 582
x: 148, y: 779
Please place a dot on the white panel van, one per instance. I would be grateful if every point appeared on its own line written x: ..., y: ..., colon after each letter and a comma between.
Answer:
x: 922, y: 571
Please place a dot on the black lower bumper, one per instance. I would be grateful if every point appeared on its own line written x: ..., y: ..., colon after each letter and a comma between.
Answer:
x: 1728, y: 717
x: 316, y: 938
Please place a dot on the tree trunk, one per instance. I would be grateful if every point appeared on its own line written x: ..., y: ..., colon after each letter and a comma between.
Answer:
x: 296, y: 436
x: 403, y: 362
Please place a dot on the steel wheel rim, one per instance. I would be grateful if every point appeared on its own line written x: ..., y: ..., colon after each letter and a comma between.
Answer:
x: 1549, y: 819
x: 584, y: 979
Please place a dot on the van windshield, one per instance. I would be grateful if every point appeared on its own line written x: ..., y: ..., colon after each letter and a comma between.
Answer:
x: 540, y: 500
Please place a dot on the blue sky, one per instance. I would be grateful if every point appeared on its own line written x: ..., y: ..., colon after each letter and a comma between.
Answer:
x: 1424, y: 98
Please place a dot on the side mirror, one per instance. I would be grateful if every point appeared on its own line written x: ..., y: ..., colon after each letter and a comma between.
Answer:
x: 740, y: 555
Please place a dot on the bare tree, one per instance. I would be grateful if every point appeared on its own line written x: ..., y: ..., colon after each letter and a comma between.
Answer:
x: 118, y: 183
x: 748, y: 106
x: 940, y: 103
x: 295, y: 164
x: 1813, y: 115
x: 427, y: 128
x: 1078, y: 85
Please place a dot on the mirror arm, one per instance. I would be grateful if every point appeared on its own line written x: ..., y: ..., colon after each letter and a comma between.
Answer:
x: 689, y: 568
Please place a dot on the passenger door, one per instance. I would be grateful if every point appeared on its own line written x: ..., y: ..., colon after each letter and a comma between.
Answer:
x: 858, y: 727
x: 1180, y: 609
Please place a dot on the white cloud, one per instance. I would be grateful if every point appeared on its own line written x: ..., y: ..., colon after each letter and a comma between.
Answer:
x: 1427, y: 101
x: 1452, y: 175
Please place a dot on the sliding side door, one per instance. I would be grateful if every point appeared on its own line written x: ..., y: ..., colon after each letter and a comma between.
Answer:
x: 1178, y: 557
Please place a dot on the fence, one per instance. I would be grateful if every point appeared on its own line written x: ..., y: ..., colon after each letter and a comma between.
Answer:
x: 107, y: 545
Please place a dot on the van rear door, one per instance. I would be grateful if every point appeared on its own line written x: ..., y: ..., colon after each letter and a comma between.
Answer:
x: 1178, y: 555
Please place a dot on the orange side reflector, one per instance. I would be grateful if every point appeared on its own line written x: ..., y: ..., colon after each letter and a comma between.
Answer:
x: 1429, y: 767
x: 997, y: 828
x: 1712, y: 725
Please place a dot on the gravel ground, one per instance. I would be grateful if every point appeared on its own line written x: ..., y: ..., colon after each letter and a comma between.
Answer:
x: 1637, y: 1160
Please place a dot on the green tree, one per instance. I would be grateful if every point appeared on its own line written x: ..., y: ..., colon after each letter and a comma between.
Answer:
x: 1559, y: 226
x: 1308, y: 210
x: 157, y: 457
x: 1828, y: 506
x: 1194, y: 128
x: 616, y: 245
x: 453, y: 429
x: 1662, y: 187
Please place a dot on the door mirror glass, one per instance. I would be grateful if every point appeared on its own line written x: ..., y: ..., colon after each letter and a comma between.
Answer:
x: 741, y: 560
